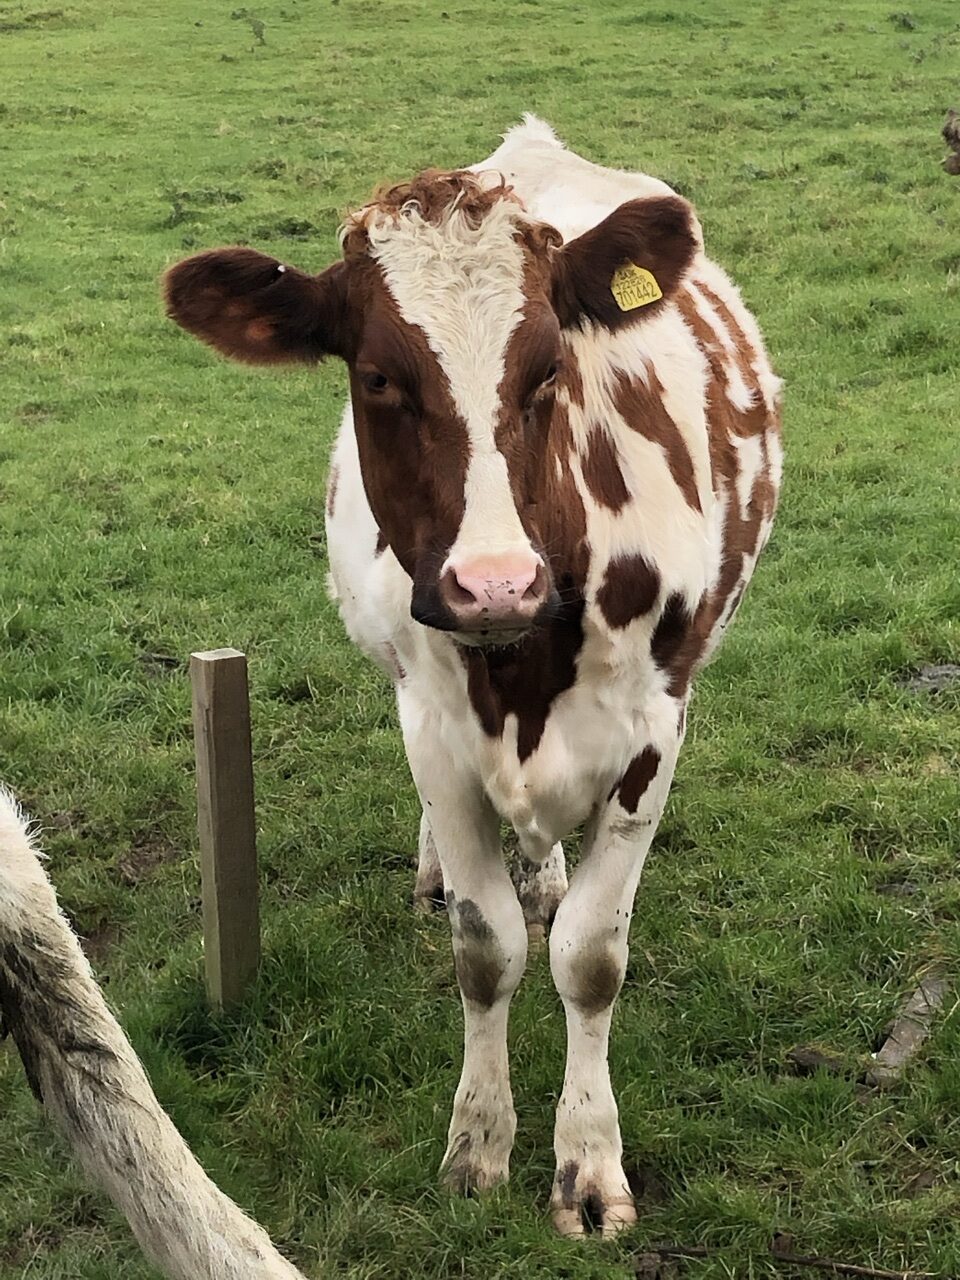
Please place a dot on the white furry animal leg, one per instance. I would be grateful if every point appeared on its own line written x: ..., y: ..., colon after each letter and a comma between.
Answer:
x: 85, y: 1072
x: 588, y: 957
x: 489, y: 952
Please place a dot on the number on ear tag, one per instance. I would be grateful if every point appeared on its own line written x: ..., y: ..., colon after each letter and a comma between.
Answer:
x: 634, y: 286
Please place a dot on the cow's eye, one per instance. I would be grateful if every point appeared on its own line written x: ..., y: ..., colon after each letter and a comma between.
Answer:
x: 375, y: 382
x: 546, y: 384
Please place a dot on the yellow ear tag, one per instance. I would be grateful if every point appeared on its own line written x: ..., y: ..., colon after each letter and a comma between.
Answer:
x: 634, y: 286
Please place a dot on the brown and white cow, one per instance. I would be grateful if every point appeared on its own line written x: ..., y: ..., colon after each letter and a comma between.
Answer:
x: 559, y: 464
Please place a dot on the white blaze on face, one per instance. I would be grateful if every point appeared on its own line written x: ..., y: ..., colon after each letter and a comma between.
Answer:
x: 463, y: 287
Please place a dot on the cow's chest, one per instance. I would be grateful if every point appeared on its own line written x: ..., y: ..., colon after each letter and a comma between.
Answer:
x: 547, y: 733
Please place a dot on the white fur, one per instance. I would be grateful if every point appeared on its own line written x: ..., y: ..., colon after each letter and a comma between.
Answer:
x: 95, y: 1089
x: 462, y: 286
x: 559, y: 187
x: 751, y: 461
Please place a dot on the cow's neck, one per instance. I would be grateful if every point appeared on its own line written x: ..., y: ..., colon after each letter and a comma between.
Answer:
x: 561, y: 516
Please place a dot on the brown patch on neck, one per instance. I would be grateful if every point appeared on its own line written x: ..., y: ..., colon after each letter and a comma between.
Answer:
x: 711, y: 343
x: 629, y: 589
x: 601, y: 471
x: 524, y: 679
x: 743, y: 349
x: 642, y: 408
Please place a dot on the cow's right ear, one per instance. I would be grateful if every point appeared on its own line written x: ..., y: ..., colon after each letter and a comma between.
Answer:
x: 253, y: 308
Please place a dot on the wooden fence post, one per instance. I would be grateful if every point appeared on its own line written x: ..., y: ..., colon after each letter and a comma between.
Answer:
x: 228, y: 844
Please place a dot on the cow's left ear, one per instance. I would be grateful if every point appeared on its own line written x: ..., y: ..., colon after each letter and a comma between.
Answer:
x: 255, y: 309
x: 621, y: 270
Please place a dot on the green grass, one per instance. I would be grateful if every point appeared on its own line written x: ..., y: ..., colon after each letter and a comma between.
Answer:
x: 154, y: 500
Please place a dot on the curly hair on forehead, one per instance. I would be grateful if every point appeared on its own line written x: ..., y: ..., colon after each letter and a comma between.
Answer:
x: 434, y: 196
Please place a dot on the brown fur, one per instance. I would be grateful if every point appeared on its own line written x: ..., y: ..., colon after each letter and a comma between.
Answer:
x: 413, y: 446
x: 601, y: 471
x: 641, y: 405
x: 252, y: 308
x: 434, y: 194
x: 527, y: 405
x: 641, y: 771
x: 527, y: 677
x: 755, y: 418
x: 412, y: 443
x: 414, y: 452
x: 629, y: 589
x: 680, y: 639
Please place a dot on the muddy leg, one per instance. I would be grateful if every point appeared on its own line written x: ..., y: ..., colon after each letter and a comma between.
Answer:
x: 588, y: 956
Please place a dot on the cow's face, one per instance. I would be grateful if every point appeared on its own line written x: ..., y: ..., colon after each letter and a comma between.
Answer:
x: 449, y: 309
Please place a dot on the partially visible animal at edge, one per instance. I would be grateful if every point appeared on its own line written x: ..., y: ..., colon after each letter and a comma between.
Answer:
x: 91, y: 1083
x: 951, y: 136
x: 558, y: 466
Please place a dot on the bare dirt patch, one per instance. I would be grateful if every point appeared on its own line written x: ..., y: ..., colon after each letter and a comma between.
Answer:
x: 149, y: 851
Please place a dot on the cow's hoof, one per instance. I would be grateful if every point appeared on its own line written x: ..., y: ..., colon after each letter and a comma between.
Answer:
x: 587, y: 1204
x: 595, y: 1216
x: 470, y: 1167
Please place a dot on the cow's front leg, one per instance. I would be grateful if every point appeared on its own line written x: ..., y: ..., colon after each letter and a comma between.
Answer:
x: 489, y: 952
x: 588, y: 957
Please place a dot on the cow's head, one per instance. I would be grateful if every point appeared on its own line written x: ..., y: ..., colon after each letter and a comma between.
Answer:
x: 449, y: 309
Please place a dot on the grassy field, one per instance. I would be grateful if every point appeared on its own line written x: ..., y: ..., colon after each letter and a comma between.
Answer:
x: 154, y: 500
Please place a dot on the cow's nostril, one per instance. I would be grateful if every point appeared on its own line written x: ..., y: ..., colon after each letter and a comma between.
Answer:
x: 455, y: 592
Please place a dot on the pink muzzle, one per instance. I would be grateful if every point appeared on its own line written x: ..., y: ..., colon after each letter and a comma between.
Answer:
x: 496, y: 592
